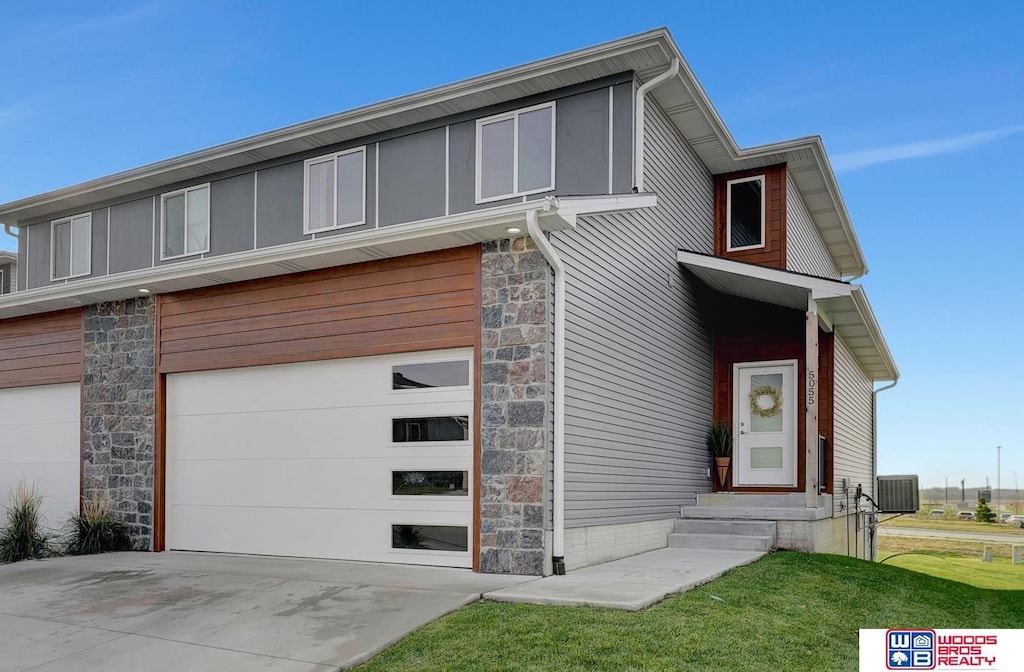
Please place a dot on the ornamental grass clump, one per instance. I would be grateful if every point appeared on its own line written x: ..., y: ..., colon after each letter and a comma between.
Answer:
x: 23, y: 536
x: 94, y: 529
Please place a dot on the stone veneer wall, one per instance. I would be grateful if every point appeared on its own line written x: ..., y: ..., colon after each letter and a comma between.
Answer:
x: 516, y: 411
x: 118, y: 410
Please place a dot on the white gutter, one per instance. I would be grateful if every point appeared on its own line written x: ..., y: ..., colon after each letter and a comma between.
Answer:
x: 638, y: 123
x: 558, y: 475
x: 9, y: 231
x: 874, y: 445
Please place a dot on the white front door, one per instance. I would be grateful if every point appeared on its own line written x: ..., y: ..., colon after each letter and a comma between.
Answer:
x: 765, y: 404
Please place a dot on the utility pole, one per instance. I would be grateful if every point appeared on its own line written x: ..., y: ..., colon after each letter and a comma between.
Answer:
x: 999, y: 467
x: 963, y: 491
x: 947, y: 490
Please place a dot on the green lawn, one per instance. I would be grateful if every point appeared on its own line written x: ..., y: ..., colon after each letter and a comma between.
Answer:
x: 999, y: 574
x: 924, y: 523
x: 788, y: 611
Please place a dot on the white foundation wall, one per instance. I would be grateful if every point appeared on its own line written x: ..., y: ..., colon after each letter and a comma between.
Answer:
x: 585, y: 546
x: 838, y: 536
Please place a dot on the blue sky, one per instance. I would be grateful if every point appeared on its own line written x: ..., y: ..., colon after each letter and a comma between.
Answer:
x: 921, y: 105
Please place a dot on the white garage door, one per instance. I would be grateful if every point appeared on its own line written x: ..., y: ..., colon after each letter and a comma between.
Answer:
x: 40, y: 443
x: 356, y: 459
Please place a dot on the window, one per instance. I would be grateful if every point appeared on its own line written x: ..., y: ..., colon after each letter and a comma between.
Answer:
x: 71, y: 247
x: 335, y: 191
x: 444, y: 483
x: 2, y: 290
x: 428, y: 375
x: 185, y: 222
x: 444, y: 428
x: 430, y: 537
x: 515, y: 153
x: 745, y: 213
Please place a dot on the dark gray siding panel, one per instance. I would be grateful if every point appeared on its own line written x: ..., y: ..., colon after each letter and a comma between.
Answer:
x: 622, y: 138
x: 232, y: 205
x: 99, y: 242
x: 638, y: 354
x: 581, y: 142
x: 22, y: 256
x: 411, y: 174
x: 461, y: 167
x: 38, y: 266
x: 279, y: 205
x: 131, y: 235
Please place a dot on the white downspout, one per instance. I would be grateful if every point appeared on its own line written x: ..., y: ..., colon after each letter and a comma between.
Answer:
x: 874, y: 448
x: 558, y: 475
x: 638, y: 123
x: 9, y: 232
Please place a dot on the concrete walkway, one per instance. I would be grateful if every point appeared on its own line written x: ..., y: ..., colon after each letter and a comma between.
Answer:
x: 163, y: 612
x: 631, y: 583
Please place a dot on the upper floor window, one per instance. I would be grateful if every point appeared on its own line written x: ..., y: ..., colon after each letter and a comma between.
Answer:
x: 335, y: 191
x: 185, y: 222
x: 515, y: 153
x: 745, y: 213
x: 71, y: 247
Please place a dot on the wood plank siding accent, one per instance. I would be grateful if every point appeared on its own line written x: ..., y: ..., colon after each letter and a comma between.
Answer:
x: 748, y: 331
x: 773, y: 254
x: 41, y: 349
x: 405, y: 304
x: 826, y: 399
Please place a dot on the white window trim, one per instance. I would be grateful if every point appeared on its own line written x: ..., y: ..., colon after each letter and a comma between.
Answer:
x: 2, y: 282
x: 71, y: 248
x: 305, y: 192
x: 514, y: 115
x: 728, y: 212
x: 163, y: 223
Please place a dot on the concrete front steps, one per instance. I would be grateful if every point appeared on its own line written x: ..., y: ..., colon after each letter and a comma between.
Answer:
x: 732, y: 535
x: 743, y: 521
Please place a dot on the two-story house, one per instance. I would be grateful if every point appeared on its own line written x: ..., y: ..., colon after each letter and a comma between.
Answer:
x: 488, y: 325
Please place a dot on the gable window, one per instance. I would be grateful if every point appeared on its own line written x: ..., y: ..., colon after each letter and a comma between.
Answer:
x: 745, y: 213
x: 71, y: 247
x: 515, y: 153
x: 185, y: 222
x: 335, y: 191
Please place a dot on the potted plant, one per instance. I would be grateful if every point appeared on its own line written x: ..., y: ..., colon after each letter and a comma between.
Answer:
x: 719, y: 444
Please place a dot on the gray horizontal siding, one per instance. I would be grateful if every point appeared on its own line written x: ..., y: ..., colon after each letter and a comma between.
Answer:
x: 852, y: 429
x: 805, y: 250
x: 638, y: 355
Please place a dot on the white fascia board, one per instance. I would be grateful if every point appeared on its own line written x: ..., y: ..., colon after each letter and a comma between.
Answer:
x: 569, y: 208
x: 554, y: 214
x: 819, y: 288
x: 860, y: 299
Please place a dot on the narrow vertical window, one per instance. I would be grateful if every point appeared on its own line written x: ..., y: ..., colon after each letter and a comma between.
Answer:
x: 185, y: 222
x: 745, y: 213
x: 71, y: 247
x: 515, y: 153
x: 335, y: 191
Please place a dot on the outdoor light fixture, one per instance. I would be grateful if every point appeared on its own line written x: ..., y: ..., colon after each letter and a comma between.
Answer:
x: 514, y: 229
x: 143, y: 290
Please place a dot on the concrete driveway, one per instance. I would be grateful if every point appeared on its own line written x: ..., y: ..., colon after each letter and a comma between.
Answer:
x: 197, y: 612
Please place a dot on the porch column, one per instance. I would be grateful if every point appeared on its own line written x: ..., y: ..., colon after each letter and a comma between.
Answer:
x: 811, y: 403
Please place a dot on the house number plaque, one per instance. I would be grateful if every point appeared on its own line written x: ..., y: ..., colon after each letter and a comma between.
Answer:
x: 812, y: 388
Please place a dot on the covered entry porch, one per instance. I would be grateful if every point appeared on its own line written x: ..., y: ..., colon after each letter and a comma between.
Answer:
x: 774, y: 339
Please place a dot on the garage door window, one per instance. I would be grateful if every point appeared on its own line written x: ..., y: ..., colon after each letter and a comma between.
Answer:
x: 444, y: 428
x: 428, y: 375
x: 442, y: 483
x: 430, y: 537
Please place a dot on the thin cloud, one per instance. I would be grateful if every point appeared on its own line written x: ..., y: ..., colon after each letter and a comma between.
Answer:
x: 920, y: 150
x: 12, y: 113
x: 62, y: 30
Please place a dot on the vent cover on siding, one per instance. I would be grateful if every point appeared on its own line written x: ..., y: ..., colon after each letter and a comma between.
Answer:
x: 898, y: 494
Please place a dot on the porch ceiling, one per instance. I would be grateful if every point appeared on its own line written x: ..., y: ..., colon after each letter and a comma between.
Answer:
x: 845, y: 306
